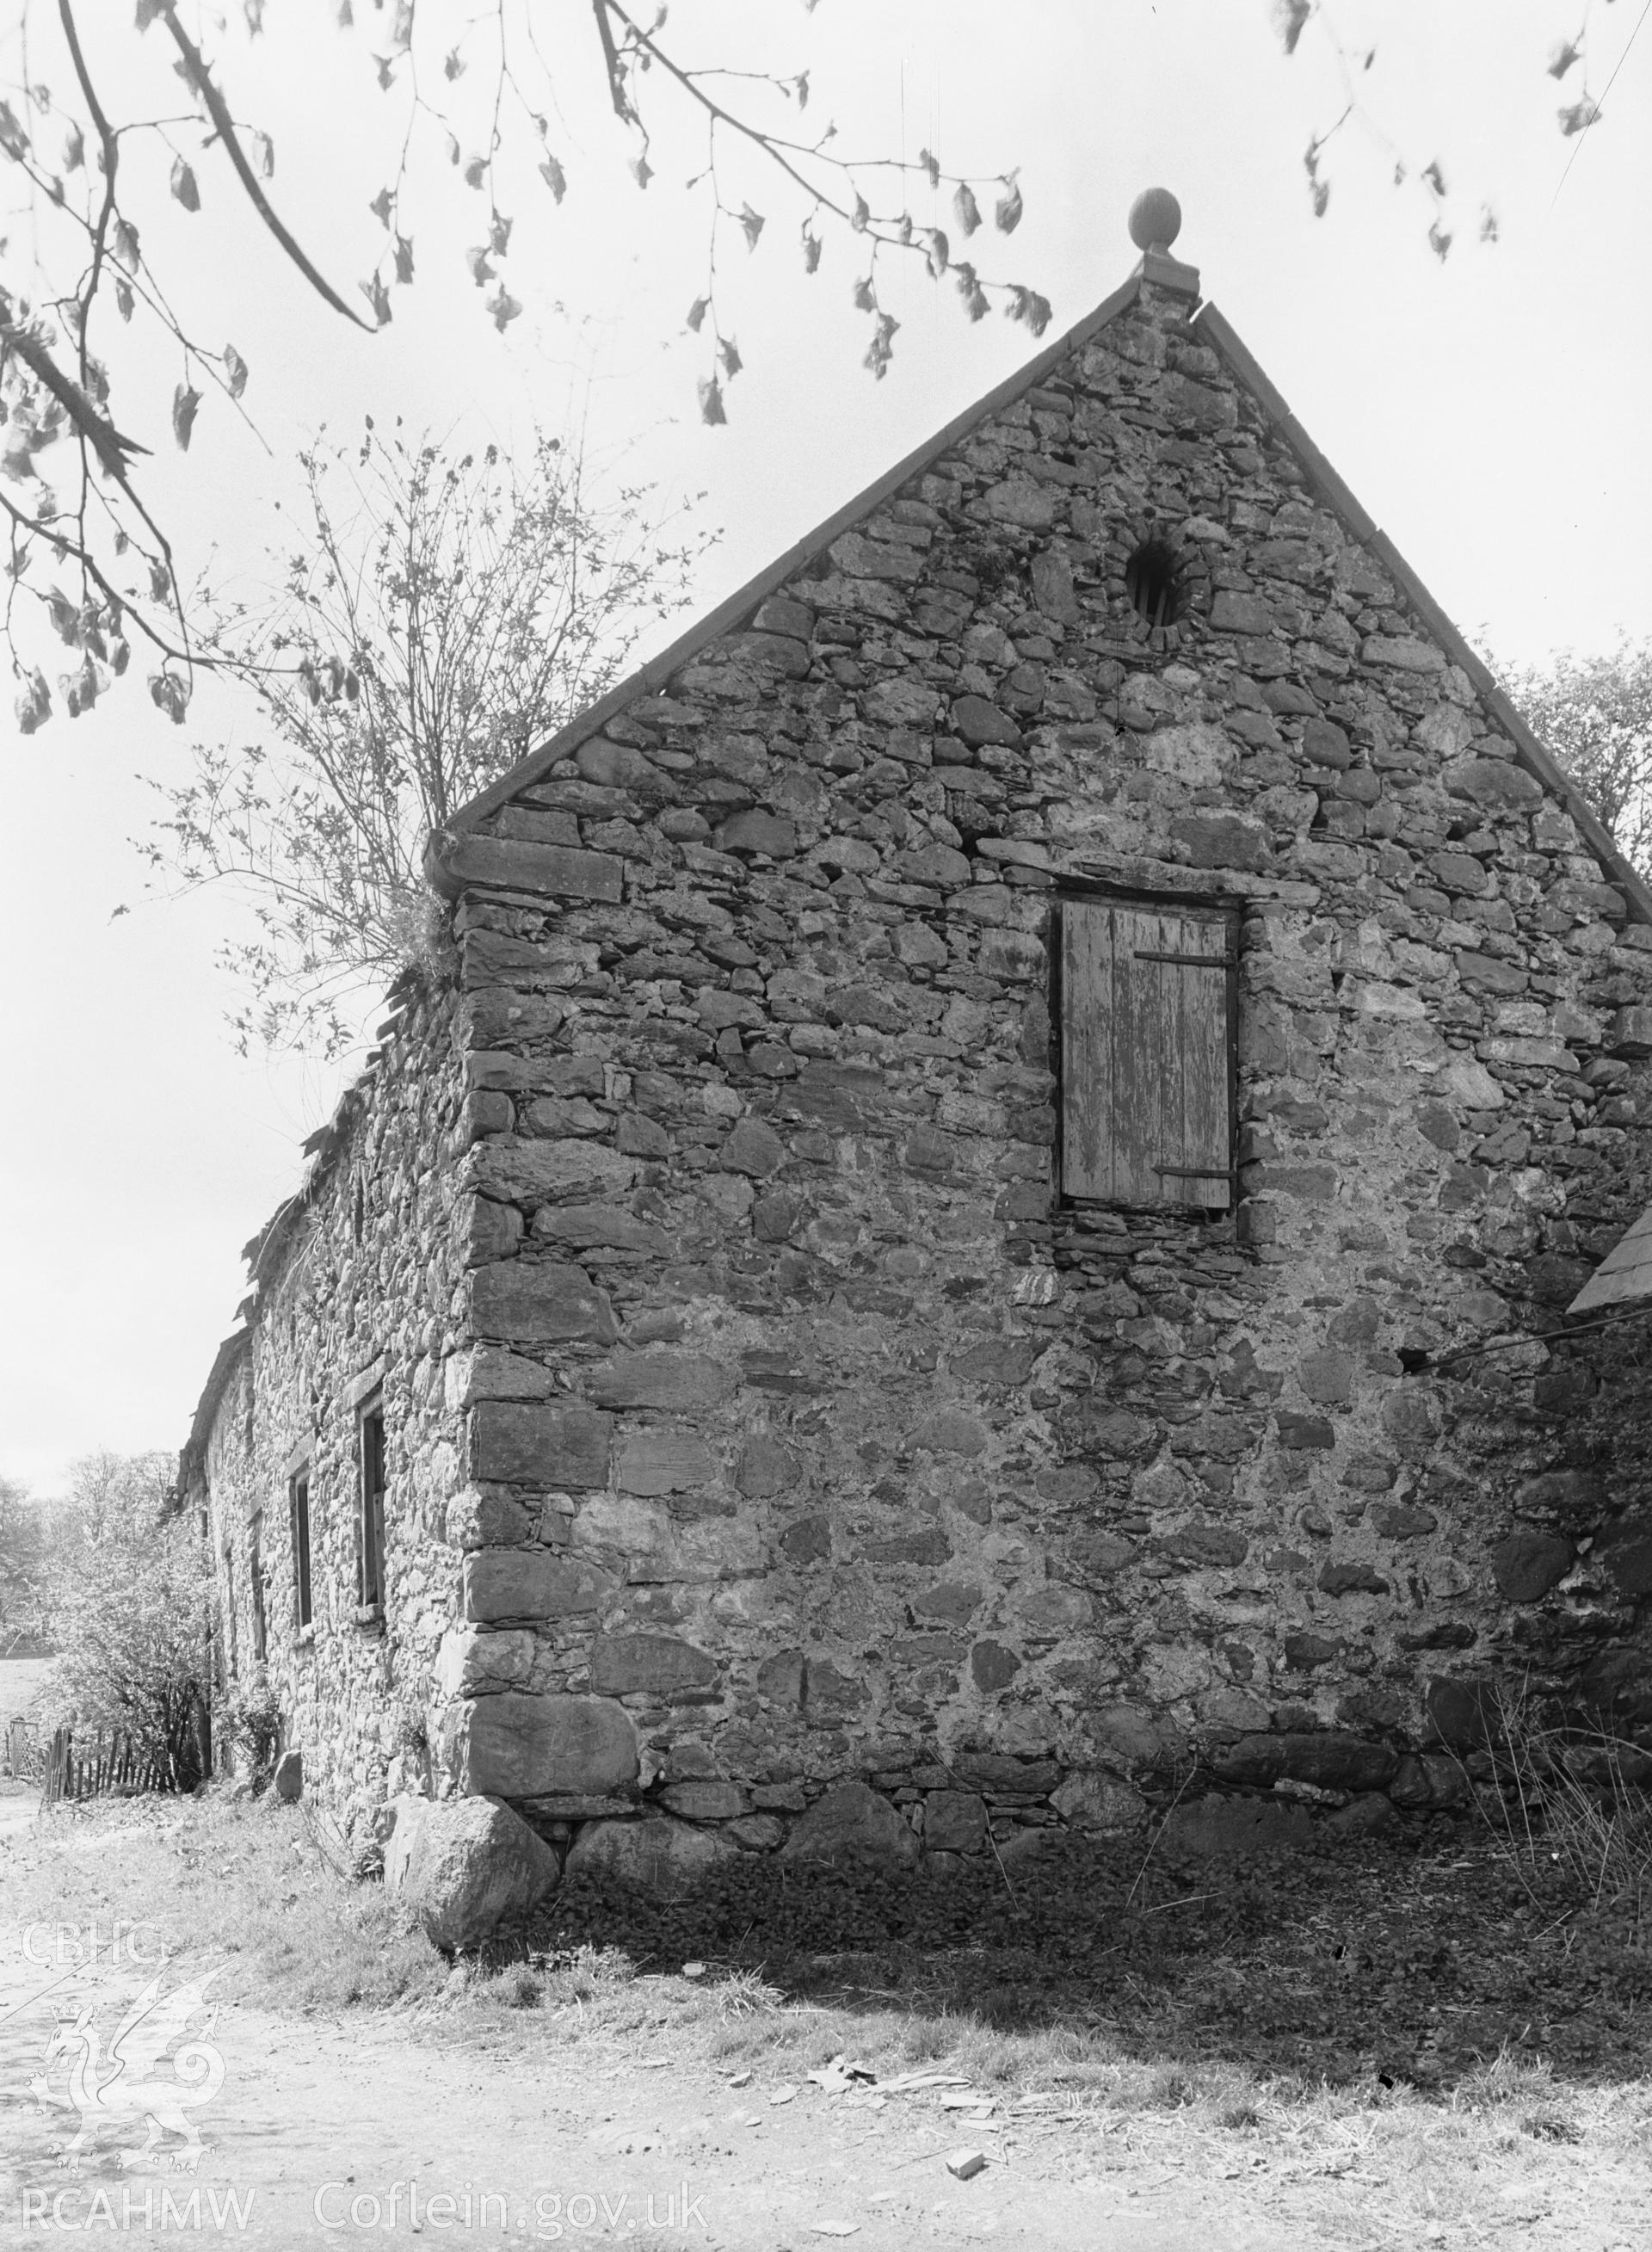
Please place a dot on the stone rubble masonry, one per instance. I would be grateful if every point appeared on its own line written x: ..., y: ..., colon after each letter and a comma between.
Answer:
x: 770, y: 1446
x: 359, y: 1288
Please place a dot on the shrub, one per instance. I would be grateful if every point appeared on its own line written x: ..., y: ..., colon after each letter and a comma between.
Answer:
x: 246, y: 1720
x: 132, y: 1595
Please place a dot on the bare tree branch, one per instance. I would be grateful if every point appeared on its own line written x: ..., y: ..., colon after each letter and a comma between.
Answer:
x: 201, y: 78
x: 441, y: 617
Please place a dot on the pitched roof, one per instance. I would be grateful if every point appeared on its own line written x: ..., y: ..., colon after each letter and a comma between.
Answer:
x: 1624, y: 1275
x: 1213, y: 328
x: 191, y: 1461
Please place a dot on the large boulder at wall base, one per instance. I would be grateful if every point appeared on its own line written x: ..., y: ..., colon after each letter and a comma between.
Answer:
x: 853, y: 1826
x: 464, y: 1866
x: 655, y: 1854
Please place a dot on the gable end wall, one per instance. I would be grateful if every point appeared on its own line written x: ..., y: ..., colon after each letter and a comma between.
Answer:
x: 800, y: 1432
x: 829, y: 1442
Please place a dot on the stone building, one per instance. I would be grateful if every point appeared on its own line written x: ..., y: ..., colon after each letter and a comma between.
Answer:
x: 981, y: 1205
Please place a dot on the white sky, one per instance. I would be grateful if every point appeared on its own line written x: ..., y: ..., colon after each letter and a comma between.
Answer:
x: 1490, y: 412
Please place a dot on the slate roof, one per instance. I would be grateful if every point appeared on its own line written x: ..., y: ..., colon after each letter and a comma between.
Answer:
x: 262, y: 1254
x: 191, y: 1459
x: 1624, y: 1276
x: 1211, y: 328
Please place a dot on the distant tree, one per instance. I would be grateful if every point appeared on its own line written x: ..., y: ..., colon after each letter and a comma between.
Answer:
x: 106, y: 1493
x: 1595, y: 713
x: 131, y: 1589
x: 22, y: 1596
x: 438, y: 616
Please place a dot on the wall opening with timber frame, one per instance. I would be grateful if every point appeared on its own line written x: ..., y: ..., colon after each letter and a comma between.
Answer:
x: 1148, y: 1009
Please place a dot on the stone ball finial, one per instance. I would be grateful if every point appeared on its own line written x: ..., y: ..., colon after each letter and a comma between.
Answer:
x: 1155, y: 219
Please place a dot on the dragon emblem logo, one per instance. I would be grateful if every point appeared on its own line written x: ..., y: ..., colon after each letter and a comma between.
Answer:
x: 125, y: 2083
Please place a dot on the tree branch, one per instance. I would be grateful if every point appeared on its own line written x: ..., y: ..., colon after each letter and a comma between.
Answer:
x: 201, y: 78
x: 622, y: 109
x: 109, y: 142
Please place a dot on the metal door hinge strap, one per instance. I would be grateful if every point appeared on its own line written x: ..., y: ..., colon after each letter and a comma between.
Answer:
x: 1191, y: 961
x: 1200, y: 1172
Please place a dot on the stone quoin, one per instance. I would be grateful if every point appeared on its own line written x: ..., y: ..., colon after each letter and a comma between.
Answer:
x: 968, y: 1213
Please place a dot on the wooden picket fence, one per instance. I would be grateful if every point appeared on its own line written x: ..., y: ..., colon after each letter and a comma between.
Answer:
x: 99, y: 1766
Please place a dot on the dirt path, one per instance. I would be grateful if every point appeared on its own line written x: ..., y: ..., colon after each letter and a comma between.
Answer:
x: 490, y: 2110
x: 317, y: 2134
x: 311, y: 2121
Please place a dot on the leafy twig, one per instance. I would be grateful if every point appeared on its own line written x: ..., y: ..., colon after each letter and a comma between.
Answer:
x: 201, y: 79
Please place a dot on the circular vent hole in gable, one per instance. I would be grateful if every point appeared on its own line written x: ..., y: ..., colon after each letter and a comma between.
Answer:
x: 1153, y: 581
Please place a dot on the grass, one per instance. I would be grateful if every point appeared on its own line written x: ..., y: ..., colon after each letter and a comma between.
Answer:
x: 1242, y: 2032
x: 247, y: 1882
x: 1413, y: 1958
x: 1413, y: 1961
x: 1573, y: 1802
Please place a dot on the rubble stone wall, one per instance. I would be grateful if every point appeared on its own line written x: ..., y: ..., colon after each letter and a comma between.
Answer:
x: 811, y: 1437
x: 790, y: 1460
x: 360, y: 1277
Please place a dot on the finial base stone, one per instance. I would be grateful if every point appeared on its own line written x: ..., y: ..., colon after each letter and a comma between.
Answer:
x: 1168, y: 273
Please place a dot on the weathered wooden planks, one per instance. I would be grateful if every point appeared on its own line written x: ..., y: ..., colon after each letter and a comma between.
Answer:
x: 1145, y: 1047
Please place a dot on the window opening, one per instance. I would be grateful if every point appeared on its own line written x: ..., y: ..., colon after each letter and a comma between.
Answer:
x: 229, y: 1607
x: 255, y: 1576
x: 299, y: 1498
x: 372, y: 1531
x: 1148, y: 1012
x: 1153, y: 581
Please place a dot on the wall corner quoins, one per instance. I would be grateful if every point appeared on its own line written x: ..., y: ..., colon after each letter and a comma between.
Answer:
x: 456, y: 861
x: 517, y: 1745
